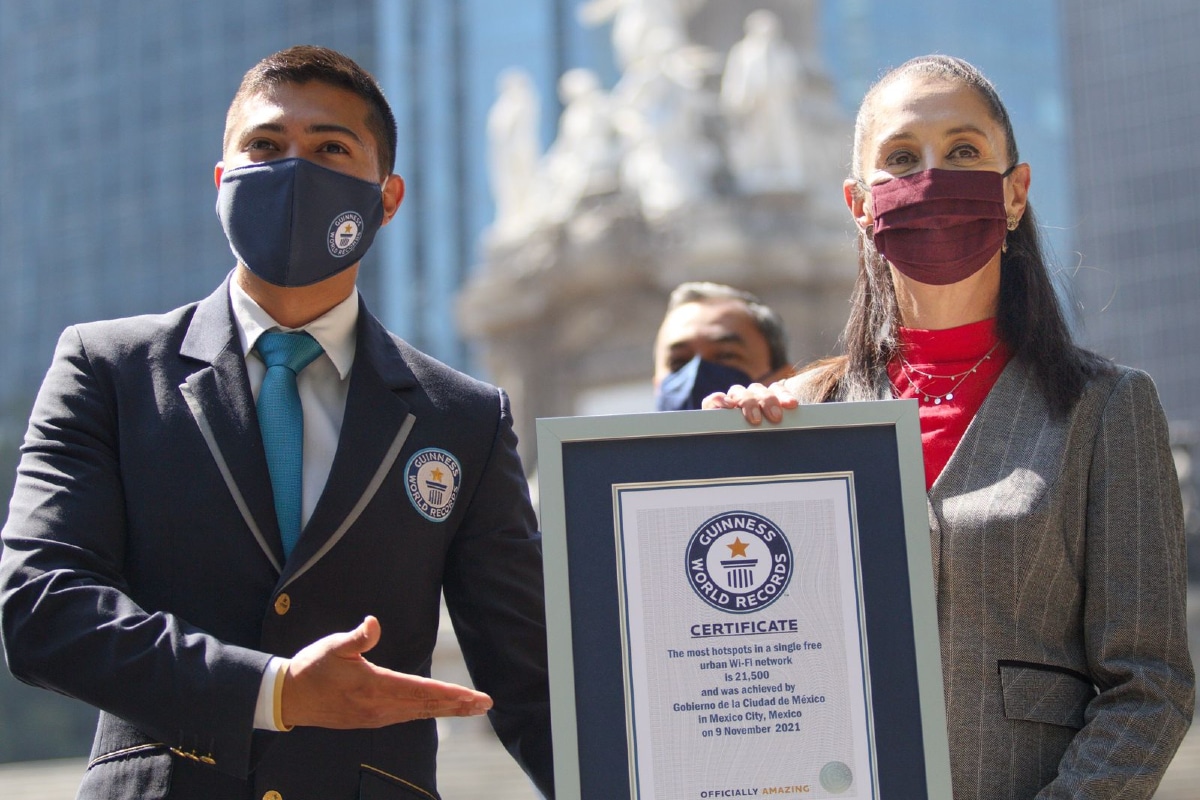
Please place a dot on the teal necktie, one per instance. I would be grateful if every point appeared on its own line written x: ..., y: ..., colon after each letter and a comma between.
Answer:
x: 281, y: 419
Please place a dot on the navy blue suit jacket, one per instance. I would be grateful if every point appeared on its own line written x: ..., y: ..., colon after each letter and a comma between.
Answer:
x: 142, y: 570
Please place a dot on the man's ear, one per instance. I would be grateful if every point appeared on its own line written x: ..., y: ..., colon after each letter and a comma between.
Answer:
x: 218, y: 171
x: 393, y: 196
x: 858, y: 201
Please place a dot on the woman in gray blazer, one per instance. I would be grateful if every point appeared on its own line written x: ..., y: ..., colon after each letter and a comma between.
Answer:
x: 1054, y: 507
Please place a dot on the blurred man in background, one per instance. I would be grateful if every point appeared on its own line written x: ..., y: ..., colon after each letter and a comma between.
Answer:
x: 714, y: 337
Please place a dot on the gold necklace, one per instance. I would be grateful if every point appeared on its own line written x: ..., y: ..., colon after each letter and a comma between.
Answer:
x: 958, y: 377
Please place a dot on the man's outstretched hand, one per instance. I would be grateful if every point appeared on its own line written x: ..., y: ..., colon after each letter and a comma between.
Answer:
x: 329, y: 684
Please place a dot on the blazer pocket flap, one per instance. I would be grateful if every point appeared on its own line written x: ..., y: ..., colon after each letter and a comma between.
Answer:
x: 142, y: 772
x: 1045, y: 693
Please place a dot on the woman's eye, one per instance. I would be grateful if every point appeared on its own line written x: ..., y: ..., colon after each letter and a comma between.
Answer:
x: 901, y: 158
x: 964, y: 151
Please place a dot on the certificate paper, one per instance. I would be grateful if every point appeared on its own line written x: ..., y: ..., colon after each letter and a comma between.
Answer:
x: 743, y: 639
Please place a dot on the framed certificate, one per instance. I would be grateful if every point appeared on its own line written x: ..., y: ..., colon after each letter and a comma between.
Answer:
x: 738, y: 611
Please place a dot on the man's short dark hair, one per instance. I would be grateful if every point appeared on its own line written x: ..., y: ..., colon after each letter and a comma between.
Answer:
x: 769, y: 324
x: 304, y: 63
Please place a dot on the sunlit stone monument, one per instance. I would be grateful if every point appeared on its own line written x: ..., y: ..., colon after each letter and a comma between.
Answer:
x: 718, y: 155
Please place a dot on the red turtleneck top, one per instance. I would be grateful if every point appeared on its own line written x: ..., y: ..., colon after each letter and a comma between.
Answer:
x: 950, y: 372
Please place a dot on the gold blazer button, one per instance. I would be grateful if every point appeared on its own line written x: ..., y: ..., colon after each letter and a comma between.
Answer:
x: 272, y: 795
x: 282, y: 604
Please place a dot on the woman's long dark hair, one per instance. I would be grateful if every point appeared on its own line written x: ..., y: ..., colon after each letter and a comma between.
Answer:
x: 1029, y: 318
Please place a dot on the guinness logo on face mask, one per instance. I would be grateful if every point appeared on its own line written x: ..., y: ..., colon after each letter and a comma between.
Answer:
x: 345, y: 233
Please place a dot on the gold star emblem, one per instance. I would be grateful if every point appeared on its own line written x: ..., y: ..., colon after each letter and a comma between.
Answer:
x: 437, y: 474
x: 738, y: 548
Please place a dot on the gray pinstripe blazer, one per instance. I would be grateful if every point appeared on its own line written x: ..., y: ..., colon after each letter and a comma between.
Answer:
x: 1061, y: 588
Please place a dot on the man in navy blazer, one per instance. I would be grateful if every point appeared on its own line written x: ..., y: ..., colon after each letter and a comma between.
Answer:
x: 145, y: 569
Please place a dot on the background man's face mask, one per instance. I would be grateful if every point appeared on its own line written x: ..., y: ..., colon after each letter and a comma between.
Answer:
x: 940, y: 226
x: 685, y: 388
x: 293, y: 223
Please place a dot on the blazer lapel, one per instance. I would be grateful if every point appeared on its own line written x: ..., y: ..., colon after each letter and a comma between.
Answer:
x: 1009, y: 426
x: 374, y: 428
x: 1009, y: 422
x: 220, y: 400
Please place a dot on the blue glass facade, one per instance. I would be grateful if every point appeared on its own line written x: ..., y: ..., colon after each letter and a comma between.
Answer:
x: 113, y: 120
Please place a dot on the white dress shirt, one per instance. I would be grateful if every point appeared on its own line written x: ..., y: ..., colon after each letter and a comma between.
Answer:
x: 323, y: 386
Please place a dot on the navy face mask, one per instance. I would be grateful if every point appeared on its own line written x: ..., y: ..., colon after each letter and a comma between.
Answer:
x: 685, y: 388
x: 295, y: 223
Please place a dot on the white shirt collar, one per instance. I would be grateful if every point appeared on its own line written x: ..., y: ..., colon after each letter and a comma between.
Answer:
x: 334, y: 330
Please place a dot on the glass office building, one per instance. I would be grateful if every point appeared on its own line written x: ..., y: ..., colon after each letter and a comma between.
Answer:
x: 113, y: 120
x: 1136, y: 108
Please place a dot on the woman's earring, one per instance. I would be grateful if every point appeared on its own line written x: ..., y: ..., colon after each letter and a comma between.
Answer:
x: 1012, y: 226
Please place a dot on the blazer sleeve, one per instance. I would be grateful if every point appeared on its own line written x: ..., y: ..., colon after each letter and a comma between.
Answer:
x: 494, y: 593
x: 1135, y: 611
x: 69, y: 622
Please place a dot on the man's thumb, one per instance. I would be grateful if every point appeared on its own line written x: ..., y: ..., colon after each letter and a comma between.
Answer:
x: 361, y: 639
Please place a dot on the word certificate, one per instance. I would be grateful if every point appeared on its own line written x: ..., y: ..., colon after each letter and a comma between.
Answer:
x: 743, y: 638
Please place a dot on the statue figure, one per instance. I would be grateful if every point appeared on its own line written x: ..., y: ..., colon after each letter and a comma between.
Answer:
x: 760, y: 98
x: 583, y: 159
x: 633, y: 20
x: 660, y: 109
x: 513, y: 153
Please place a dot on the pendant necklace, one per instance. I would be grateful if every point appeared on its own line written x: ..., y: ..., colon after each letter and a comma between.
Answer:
x: 959, y: 377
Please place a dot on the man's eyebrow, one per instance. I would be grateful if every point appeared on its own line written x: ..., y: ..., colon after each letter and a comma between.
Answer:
x: 332, y: 128
x: 275, y: 127
x: 731, y: 337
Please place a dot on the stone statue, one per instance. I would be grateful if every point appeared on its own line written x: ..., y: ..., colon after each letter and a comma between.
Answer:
x: 660, y: 109
x: 633, y: 21
x: 514, y: 151
x: 760, y: 98
x: 584, y: 157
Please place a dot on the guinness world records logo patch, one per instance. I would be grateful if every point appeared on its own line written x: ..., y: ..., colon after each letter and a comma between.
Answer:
x: 432, y: 477
x: 345, y: 232
x: 739, y: 562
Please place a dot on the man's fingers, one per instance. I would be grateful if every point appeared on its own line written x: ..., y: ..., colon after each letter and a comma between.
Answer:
x: 436, y: 693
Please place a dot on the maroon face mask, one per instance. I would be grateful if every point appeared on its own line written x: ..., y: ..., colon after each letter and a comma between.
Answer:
x: 940, y: 226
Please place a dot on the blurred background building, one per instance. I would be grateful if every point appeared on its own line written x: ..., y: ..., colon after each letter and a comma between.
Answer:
x: 112, y: 114
x: 1134, y: 108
